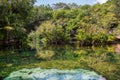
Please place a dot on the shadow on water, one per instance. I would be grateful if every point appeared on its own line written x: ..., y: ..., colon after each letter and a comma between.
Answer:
x: 103, y: 59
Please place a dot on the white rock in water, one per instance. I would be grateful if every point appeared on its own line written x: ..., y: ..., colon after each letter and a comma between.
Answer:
x: 53, y: 74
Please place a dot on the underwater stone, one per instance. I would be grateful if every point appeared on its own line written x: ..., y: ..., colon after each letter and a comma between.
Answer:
x: 54, y: 74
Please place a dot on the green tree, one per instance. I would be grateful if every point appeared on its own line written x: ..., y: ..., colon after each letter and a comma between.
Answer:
x: 13, y: 18
x: 61, y: 5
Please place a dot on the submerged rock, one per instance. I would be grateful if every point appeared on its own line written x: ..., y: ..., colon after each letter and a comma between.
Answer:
x: 53, y: 74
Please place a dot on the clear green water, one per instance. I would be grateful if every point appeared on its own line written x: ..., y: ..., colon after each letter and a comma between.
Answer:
x: 105, y: 60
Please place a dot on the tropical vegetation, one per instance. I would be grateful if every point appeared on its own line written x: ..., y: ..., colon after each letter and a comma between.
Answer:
x: 21, y: 22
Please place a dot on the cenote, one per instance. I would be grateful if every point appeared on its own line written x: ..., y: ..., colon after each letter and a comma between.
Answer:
x: 104, y: 60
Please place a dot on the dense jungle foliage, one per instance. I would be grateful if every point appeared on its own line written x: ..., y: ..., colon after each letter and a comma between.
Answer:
x: 21, y: 22
x: 45, y: 27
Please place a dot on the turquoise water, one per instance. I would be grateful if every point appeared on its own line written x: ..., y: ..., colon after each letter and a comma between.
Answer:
x: 54, y: 74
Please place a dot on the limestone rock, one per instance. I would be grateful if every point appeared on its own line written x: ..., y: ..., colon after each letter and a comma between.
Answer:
x: 53, y: 74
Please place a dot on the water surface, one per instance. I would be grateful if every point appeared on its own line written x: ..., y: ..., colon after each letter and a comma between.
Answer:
x: 105, y: 60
